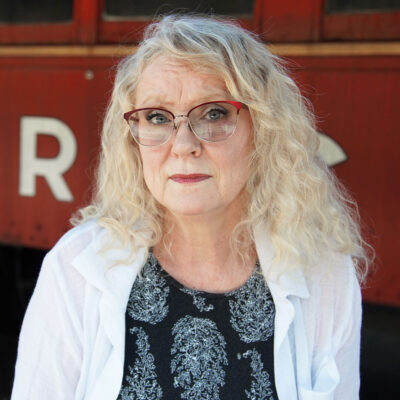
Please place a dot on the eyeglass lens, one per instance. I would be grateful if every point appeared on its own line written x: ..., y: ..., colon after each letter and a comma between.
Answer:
x: 210, y: 122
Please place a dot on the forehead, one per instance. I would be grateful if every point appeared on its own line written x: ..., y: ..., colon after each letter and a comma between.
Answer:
x: 170, y: 81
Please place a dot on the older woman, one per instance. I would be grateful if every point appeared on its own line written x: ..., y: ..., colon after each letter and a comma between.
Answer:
x: 214, y: 261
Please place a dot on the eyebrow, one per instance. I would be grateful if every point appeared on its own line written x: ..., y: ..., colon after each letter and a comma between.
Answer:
x: 159, y: 102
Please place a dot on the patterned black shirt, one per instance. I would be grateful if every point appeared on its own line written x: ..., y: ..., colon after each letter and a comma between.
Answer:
x: 188, y: 344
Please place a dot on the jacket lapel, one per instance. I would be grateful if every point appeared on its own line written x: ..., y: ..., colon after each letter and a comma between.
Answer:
x: 105, y: 270
x: 285, y: 284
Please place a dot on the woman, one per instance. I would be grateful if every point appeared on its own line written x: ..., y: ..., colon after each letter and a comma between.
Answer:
x: 214, y: 261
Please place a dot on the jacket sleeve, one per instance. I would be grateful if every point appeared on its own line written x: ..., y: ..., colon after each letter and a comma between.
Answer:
x: 50, y: 343
x: 333, y: 321
x: 347, y: 338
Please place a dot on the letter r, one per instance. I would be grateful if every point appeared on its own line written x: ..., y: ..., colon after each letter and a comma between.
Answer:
x: 52, y: 169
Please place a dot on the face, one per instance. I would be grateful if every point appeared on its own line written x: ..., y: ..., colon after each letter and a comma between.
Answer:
x: 186, y: 175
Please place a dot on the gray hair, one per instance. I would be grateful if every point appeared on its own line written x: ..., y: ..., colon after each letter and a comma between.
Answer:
x: 307, y: 212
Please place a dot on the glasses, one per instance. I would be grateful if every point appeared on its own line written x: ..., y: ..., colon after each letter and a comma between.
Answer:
x: 213, y: 121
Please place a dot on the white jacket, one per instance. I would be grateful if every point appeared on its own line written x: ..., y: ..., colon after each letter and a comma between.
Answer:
x: 73, y: 335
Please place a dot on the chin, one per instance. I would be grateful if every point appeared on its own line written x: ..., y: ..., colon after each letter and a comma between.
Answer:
x: 190, y: 208
x: 188, y: 211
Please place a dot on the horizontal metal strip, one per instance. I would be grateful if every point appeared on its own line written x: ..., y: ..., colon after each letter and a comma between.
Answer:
x: 287, y: 49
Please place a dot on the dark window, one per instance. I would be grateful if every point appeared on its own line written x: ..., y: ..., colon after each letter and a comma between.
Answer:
x: 35, y: 11
x: 335, y: 6
x: 149, y: 8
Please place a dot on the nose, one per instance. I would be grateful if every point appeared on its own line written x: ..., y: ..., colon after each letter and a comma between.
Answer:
x: 185, y: 141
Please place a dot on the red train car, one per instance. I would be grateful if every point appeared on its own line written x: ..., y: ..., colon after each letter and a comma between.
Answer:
x: 56, y: 71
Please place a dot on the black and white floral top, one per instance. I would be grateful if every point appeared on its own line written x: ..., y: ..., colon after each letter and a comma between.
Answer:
x: 187, y: 344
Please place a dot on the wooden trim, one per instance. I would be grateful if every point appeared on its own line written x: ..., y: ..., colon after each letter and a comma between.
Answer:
x: 337, y: 49
x: 65, y: 51
x: 294, y: 49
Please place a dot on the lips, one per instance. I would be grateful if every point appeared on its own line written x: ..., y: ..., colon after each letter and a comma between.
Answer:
x: 189, y: 178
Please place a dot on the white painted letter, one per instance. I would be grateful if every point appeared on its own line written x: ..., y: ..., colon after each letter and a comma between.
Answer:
x: 52, y: 169
x: 330, y: 151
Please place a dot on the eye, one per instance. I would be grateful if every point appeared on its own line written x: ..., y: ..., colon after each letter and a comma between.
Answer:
x: 215, y: 114
x: 157, y: 117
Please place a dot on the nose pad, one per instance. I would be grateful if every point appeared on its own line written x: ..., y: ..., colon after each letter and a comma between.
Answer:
x: 185, y: 142
x: 178, y: 124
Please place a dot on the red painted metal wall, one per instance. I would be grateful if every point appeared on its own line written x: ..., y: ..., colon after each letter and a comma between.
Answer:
x: 355, y: 98
x: 356, y: 102
x: 73, y: 91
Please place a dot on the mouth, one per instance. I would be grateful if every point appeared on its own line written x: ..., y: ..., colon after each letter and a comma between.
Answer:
x: 189, y: 178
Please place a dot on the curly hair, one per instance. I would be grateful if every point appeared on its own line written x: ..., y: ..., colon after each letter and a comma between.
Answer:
x: 307, y: 212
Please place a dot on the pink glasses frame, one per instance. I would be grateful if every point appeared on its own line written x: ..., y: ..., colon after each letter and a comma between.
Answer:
x: 237, y: 105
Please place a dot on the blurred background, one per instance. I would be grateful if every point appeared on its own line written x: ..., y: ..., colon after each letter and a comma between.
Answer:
x: 56, y: 73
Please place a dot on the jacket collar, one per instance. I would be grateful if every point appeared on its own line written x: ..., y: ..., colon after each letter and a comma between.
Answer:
x: 103, y: 266
x: 106, y: 271
x: 288, y: 281
x: 284, y: 287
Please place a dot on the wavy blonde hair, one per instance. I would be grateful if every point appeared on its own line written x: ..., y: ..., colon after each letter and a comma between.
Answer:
x: 307, y: 211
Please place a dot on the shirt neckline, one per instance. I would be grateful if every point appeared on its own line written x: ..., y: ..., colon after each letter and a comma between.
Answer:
x: 194, y: 292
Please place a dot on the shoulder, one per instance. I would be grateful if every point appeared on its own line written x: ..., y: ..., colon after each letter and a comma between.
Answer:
x: 59, y: 266
x: 90, y: 254
x: 333, y: 306
x: 328, y: 276
x: 332, y: 277
x: 332, y: 286
x: 58, y: 262
x: 77, y: 239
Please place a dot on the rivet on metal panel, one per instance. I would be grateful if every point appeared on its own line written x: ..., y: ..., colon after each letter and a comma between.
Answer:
x: 89, y: 74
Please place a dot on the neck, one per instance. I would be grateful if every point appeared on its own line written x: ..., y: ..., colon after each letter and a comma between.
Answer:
x: 197, y: 252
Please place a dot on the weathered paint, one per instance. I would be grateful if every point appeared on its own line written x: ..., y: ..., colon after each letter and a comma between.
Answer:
x: 356, y: 102
x: 74, y: 100
x: 355, y: 98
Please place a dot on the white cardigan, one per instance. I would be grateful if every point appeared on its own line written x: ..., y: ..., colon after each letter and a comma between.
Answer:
x: 73, y: 335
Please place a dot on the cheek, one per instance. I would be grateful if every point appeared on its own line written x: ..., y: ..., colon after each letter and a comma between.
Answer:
x: 234, y: 171
x: 152, y: 162
x: 149, y: 167
x: 239, y: 163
